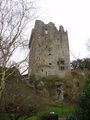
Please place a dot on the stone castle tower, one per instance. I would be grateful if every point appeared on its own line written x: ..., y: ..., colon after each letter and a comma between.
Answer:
x: 49, y: 51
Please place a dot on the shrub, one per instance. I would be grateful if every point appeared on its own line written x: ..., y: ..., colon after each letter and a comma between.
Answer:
x: 83, y: 105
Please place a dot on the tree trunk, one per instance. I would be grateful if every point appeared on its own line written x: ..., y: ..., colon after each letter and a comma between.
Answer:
x: 2, y: 85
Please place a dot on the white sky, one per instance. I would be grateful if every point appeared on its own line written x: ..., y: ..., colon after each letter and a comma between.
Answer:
x: 74, y: 15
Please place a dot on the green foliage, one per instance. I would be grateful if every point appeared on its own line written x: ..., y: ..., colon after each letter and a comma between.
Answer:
x: 83, y: 110
x: 4, y: 117
x: 49, y: 116
x: 81, y: 64
x: 28, y: 118
x: 72, y: 117
x: 32, y: 118
x: 63, y: 110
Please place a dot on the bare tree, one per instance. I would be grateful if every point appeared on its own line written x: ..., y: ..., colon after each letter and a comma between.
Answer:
x: 15, y: 15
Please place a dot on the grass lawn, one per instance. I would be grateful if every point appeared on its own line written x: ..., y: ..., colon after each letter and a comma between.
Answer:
x: 64, y: 111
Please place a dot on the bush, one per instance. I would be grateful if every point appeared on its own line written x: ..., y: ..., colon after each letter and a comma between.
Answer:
x: 72, y: 117
x: 83, y: 105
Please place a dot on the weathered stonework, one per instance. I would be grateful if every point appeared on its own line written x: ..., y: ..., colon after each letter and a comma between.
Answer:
x: 49, y: 51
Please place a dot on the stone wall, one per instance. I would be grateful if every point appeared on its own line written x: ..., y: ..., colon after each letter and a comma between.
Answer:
x: 49, y: 51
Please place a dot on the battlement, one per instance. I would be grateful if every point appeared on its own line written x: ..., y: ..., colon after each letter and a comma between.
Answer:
x: 40, y: 24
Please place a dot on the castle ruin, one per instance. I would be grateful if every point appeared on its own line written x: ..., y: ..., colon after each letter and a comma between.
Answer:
x: 49, y: 51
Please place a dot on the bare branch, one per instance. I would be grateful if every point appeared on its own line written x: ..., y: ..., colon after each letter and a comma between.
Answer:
x: 15, y: 15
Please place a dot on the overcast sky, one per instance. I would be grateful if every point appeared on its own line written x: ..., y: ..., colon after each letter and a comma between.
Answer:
x: 74, y: 15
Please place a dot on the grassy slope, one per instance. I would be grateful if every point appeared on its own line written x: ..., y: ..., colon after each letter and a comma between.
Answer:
x: 64, y: 111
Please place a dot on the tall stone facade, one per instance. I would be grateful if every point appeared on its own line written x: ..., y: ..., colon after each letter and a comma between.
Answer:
x: 49, y: 51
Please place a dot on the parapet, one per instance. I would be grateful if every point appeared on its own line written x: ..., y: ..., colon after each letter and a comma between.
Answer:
x: 61, y: 28
x: 51, y: 24
x: 38, y: 23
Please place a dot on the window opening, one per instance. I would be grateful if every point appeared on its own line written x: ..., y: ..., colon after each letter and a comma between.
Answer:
x: 46, y: 73
x: 49, y: 53
x: 62, y: 62
x: 46, y: 31
x: 49, y: 49
x: 50, y: 63
x: 62, y: 68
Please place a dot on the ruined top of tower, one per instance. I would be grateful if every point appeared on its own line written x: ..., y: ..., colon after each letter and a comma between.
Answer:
x: 49, y: 51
